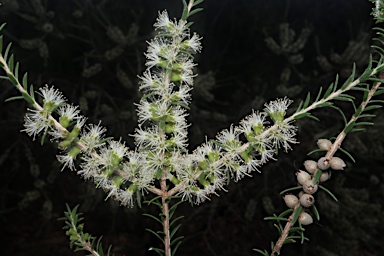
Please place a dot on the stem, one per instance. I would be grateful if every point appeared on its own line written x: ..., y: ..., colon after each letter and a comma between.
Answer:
x: 276, y: 249
x: 165, y: 207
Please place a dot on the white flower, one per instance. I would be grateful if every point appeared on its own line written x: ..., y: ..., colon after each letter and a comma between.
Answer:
x: 126, y: 198
x: 147, y: 81
x: 52, y: 96
x: 68, y: 111
x: 93, y: 138
x: 35, y: 122
x: 277, y: 109
x: 230, y: 140
x: 194, y: 43
x: 90, y: 166
x: 163, y: 22
x: 67, y: 160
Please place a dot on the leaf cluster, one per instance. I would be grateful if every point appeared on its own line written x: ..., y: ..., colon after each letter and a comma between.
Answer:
x: 78, y: 239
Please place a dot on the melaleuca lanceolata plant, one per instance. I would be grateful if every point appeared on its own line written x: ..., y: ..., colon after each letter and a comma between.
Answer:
x: 160, y: 163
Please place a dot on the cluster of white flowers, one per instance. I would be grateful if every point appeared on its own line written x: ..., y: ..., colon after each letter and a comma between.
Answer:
x: 161, y: 137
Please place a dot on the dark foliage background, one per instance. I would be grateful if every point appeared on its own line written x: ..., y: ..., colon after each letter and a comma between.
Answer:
x: 66, y: 43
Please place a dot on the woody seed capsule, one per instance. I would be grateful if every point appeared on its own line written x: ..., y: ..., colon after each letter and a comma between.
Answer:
x: 307, y: 200
x: 310, y: 166
x: 324, y: 177
x: 302, y: 177
x: 291, y: 201
x: 324, y: 144
x: 323, y: 163
x: 309, y: 187
x: 337, y: 163
x: 305, y: 218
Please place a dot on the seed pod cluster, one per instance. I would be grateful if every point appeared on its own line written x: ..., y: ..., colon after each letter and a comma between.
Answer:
x: 309, y: 180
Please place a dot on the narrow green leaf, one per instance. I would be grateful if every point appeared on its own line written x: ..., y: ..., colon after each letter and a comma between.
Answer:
x: 289, y: 241
x: 302, y: 115
x: 368, y: 70
x: 184, y: 16
x: 336, y: 82
x: 25, y: 81
x: 349, y: 127
x: 138, y: 198
x: 14, y: 98
x: 290, y: 189
x: 7, y: 51
x: 317, y: 176
x: 197, y: 2
x: 296, y: 229
x: 2, y: 26
x: 286, y: 212
x: 348, y: 154
x: 153, y: 217
x: 195, y: 11
x: 11, y: 64
x: 372, y: 107
x: 313, y: 117
x: 175, y: 230
x: 329, y: 193
x: 305, y: 105
x: 341, y: 112
x: 275, y: 218
x: 350, y: 79
x: 175, y: 248
x: 175, y: 220
x: 154, y: 233
x: 159, y: 251
x: 319, y: 94
x: 364, y: 123
x: 296, y: 214
x: 325, y: 104
x: 28, y: 98
x: 328, y: 92
x: 12, y: 78
x: 316, y: 212
x: 264, y: 253
x: 299, y: 107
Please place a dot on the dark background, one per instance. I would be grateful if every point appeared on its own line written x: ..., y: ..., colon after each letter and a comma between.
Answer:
x: 59, y: 42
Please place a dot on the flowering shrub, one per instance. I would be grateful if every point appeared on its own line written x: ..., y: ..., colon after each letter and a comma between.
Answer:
x: 161, y: 164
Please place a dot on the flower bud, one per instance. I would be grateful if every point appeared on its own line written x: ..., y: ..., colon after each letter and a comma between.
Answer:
x: 307, y: 200
x: 310, y: 166
x: 324, y: 177
x: 324, y: 144
x: 291, y: 201
x: 323, y: 163
x: 337, y: 163
x: 302, y: 177
x: 309, y: 187
x: 305, y: 218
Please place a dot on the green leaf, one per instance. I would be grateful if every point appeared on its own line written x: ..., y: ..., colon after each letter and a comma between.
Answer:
x: 153, y: 217
x: 154, y: 233
x: 299, y: 107
x: 350, y: 78
x: 138, y: 198
x: 275, y: 218
x: 175, y: 230
x: 12, y: 78
x: 349, y: 127
x: 14, y: 98
x: 28, y: 98
x: 290, y: 189
x: 195, y: 11
x: 316, y: 212
x: 348, y: 154
x: 286, y: 212
x: 372, y: 107
x: 341, y: 112
x: 25, y: 81
x: 329, y: 192
x: 7, y: 51
x: 264, y: 253
x: 197, y: 2
x: 317, y: 176
x: 184, y: 16
x: 296, y: 214
x: 174, y: 221
x: 305, y: 105
x: 367, y: 72
x: 319, y: 94
x: 329, y: 90
x: 11, y: 64
x: 2, y: 26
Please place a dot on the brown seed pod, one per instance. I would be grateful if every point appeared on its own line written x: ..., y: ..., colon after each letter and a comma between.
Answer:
x: 309, y: 187
x: 302, y: 176
x: 291, y: 201
x: 324, y: 144
x: 323, y: 163
x: 337, y: 163
x: 307, y: 200
x: 310, y: 166
x: 305, y: 218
